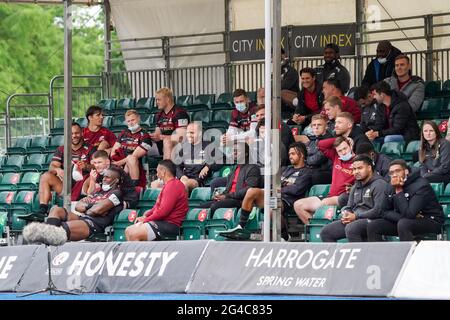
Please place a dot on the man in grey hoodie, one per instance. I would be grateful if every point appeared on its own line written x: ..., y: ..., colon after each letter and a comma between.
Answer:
x: 412, y: 87
x: 366, y: 202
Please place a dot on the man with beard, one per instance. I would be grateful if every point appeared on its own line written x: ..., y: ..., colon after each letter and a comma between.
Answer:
x: 332, y: 68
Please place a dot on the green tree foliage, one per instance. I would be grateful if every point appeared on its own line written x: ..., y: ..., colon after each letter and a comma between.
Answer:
x: 32, y: 46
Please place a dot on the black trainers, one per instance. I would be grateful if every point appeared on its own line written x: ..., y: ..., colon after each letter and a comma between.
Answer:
x: 236, y: 233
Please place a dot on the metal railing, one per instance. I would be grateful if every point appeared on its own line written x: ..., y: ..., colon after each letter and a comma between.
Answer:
x: 18, y: 119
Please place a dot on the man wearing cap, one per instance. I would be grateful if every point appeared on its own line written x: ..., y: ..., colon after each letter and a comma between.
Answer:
x: 332, y: 68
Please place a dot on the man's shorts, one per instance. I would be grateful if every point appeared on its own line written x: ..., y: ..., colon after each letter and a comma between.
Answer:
x: 161, y: 229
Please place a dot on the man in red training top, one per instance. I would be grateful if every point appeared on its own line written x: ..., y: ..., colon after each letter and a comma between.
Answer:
x: 166, y: 217
x: 95, y: 134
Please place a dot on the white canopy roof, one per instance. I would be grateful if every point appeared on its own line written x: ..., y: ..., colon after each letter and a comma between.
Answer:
x: 86, y: 2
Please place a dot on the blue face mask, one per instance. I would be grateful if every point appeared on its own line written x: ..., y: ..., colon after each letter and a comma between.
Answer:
x: 241, y: 107
x: 346, y: 157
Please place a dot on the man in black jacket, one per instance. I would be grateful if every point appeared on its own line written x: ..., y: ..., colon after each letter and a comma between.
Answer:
x: 367, y: 198
x: 403, y: 125
x: 243, y: 177
x: 382, y: 66
x: 332, y: 68
x: 373, y: 115
x: 412, y: 207
x: 193, y: 164
x: 296, y: 180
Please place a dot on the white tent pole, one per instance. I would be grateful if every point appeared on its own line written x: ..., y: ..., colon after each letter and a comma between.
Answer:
x: 268, y: 117
x: 67, y: 181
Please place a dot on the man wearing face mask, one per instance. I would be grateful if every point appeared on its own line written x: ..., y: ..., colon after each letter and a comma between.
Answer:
x: 412, y: 207
x: 241, y: 117
x: 170, y: 209
x: 332, y: 68
x: 382, y: 66
x: 97, y: 212
x: 101, y: 163
x: 52, y: 180
x: 339, y: 151
x: 131, y: 146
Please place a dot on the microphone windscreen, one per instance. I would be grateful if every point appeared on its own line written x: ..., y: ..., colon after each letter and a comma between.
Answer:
x: 43, y: 233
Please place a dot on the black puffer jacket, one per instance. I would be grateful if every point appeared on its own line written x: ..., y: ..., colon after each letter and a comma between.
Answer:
x: 402, y: 119
x: 417, y: 197
x: 386, y: 69
x: 373, y: 117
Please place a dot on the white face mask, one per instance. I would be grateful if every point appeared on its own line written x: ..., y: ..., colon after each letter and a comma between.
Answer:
x: 346, y: 157
x: 106, y: 187
x: 241, y: 107
x: 134, y: 128
x: 382, y: 60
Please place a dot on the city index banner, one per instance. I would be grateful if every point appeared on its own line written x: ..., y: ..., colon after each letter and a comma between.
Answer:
x: 302, y: 41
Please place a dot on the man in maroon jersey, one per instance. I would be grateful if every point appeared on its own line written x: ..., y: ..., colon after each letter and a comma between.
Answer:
x: 241, y: 117
x: 52, y: 180
x: 132, y: 145
x: 95, y: 134
x: 332, y: 87
x: 171, y: 123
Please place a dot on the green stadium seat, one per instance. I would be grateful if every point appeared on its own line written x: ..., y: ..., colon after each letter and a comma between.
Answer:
x: 6, y: 200
x: 193, y: 227
x: 445, y: 197
x: 204, y: 116
x: 224, y: 102
x: 107, y: 121
x: 223, y: 219
x: 118, y: 124
x: 431, y: 109
x: 55, y: 142
x: 10, y: 180
x: 145, y: 105
x: 48, y: 159
x: 438, y: 189
x: 199, y: 196
x: 30, y: 181
x: 124, y: 104
x: 3, y: 223
x: 220, y: 118
x: 446, y: 86
x: 445, y: 110
x: 252, y: 96
x: 393, y: 150
x: 255, y: 220
x: 148, y: 122
x: 148, y: 199
x: 38, y: 144
x: 124, y: 219
x: 35, y: 162
x: 107, y: 104
x: 201, y: 102
x: 20, y: 146
x: 376, y: 146
x: 24, y: 204
x: 83, y: 122
x: 432, y: 88
x: 323, y: 216
x: 184, y: 101
x: 411, y: 148
x: 319, y: 190
x: 13, y: 163
x: 58, y: 127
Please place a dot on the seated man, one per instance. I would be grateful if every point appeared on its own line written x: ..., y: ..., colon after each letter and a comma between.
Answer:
x: 193, y: 164
x: 97, y: 212
x: 331, y: 88
x: 95, y: 134
x: 101, y: 163
x: 412, y: 210
x: 339, y: 151
x: 403, y: 125
x: 243, y: 177
x: 166, y: 217
x: 332, y: 68
x: 52, y: 180
x: 374, y: 115
x: 345, y: 126
x: 131, y: 147
x: 171, y: 123
x: 367, y: 198
x: 412, y: 87
x: 241, y: 117
x: 295, y: 182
